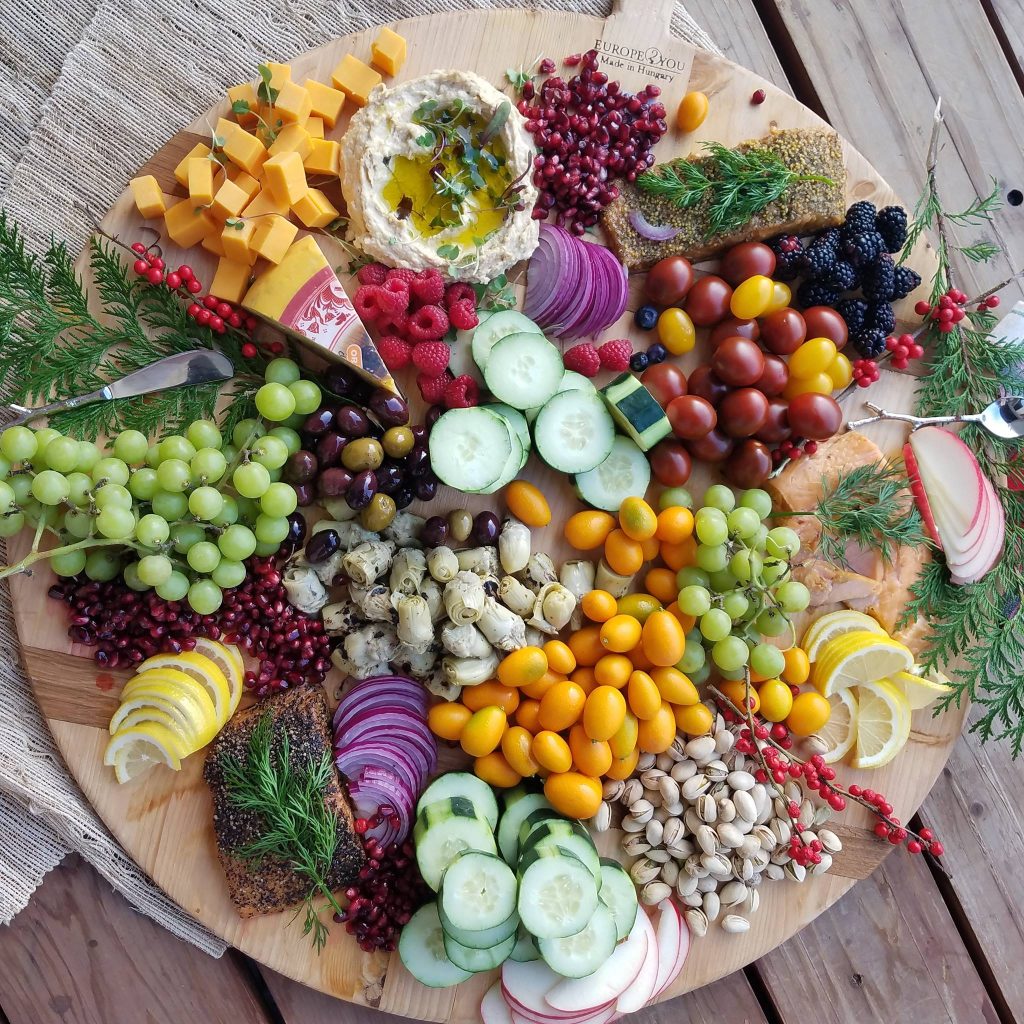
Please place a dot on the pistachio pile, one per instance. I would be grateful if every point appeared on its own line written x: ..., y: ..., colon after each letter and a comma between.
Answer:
x: 702, y: 827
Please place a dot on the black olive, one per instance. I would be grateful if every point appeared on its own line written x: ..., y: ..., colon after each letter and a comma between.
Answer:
x: 392, y: 410
x: 435, y: 532
x: 352, y: 422
x: 390, y: 478
x: 426, y: 486
x: 319, y: 422
x: 322, y: 545
x: 300, y: 468
x: 334, y: 482
x: 362, y: 489
x: 304, y: 494
x: 486, y: 528
x: 328, y: 449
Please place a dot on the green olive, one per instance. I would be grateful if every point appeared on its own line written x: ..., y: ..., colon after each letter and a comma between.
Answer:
x: 460, y: 523
x: 362, y: 453
x: 379, y: 513
x: 398, y: 441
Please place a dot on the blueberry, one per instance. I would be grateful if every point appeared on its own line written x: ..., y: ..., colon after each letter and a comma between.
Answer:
x: 645, y: 317
x: 638, y: 361
x: 657, y: 353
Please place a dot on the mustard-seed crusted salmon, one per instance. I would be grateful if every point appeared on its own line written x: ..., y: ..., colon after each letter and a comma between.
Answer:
x: 270, y: 885
x: 804, y: 207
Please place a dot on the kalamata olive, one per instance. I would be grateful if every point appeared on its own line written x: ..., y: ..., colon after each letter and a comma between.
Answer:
x: 434, y: 413
x: 665, y: 381
x: 362, y: 489
x: 738, y: 361
x: 333, y: 482
x: 435, y: 532
x: 486, y: 527
x: 706, y: 384
x: 746, y: 260
x: 398, y: 441
x: 775, y: 376
x: 708, y: 301
x: 362, y: 453
x: 296, y: 530
x: 329, y: 449
x: 742, y: 412
x: 691, y: 416
x: 825, y: 322
x: 379, y: 513
x: 352, y: 421
x: 300, y: 468
x: 340, y: 381
x: 304, y: 494
x: 426, y: 486
x: 669, y: 280
x: 420, y: 433
x: 776, y: 424
x: 390, y: 478
x: 460, y: 524
x: 784, y: 331
x: 390, y: 409
x: 319, y: 422
x: 714, y: 446
x: 404, y: 498
x: 814, y: 416
x: 749, y: 465
x: 417, y: 462
x: 733, y: 328
x: 322, y: 545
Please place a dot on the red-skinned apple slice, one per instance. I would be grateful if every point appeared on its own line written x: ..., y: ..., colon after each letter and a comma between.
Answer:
x: 604, y: 1015
x: 920, y: 494
x: 493, y: 1008
x: 682, y: 948
x: 641, y: 991
x: 963, y: 548
x: 525, y: 985
x: 667, y: 931
x: 950, y: 471
x: 987, y: 556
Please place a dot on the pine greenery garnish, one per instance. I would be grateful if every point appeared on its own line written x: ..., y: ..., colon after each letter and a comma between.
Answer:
x: 300, y: 829
x: 55, y: 345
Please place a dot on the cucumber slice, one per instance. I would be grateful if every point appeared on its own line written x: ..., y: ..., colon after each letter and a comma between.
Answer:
x: 497, y: 326
x: 484, y: 938
x: 517, y: 809
x: 478, y: 891
x: 535, y: 819
x: 476, y: 961
x: 636, y: 411
x: 469, y: 448
x: 574, y: 432
x: 525, y: 948
x: 571, y: 381
x: 581, y: 846
x: 513, y: 463
x: 445, y: 829
x: 618, y: 894
x: 624, y: 473
x: 421, y: 947
x: 517, y: 421
x: 463, y: 784
x: 523, y: 370
x: 576, y: 956
x: 557, y: 894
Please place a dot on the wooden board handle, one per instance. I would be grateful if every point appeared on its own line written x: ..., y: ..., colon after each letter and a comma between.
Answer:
x: 657, y: 14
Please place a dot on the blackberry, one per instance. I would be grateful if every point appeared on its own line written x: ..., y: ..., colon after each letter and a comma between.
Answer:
x: 854, y: 312
x: 905, y: 281
x: 815, y: 293
x: 860, y: 217
x: 881, y: 317
x: 864, y: 247
x: 789, y: 252
x: 869, y: 342
x: 891, y: 224
x: 843, y: 275
x: 820, y: 257
x: 879, y: 279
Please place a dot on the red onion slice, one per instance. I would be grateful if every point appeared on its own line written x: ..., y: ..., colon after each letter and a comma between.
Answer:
x: 652, y: 232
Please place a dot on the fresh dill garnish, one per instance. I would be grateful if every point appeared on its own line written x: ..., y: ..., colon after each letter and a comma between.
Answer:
x: 737, y: 184
x: 301, y: 830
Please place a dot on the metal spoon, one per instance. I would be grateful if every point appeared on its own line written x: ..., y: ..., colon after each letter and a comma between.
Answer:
x: 1003, y: 418
x: 200, y: 366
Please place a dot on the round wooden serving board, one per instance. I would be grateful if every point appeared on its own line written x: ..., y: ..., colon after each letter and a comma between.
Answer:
x: 164, y: 818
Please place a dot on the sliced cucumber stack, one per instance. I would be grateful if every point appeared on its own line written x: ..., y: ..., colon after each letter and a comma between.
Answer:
x: 523, y: 370
x: 497, y: 326
x: 517, y: 809
x: 618, y: 895
x: 421, y: 947
x: 571, y: 381
x: 625, y: 472
x: 443, y: 830
x: 469, y: 448
x: 574, y: 432
x: 566, y: 835
x: 478, y: 892
x: 576, y: 956
x: 462, y: 784
x: 518, y: 423
x: 557, y: 894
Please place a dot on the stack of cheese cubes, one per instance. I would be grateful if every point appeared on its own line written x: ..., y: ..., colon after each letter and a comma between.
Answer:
x: 251, y: 189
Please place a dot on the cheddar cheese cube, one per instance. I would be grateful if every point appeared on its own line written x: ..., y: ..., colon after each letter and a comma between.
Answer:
x: 280, y: 74
x: 355, y: 79
x: 236, y: 240
x: 149, y: 200
x: 293, y: 138
x: 284, y: 176
x: 314, y: 209
x: 212, y: 243
x: 247, y: 93
x: 231, y: 280
x: 326, y: 102
x: 244, y: 180
x: 315, y: 127
x: 265, y: 202
x: 245, y: 151
x: 186, y: 225
x: 324, y: 157
x: 293, y: 103
x: 229, y: 201
x: 388, y: 51
x: 272, y: 238
x: 224, y: 130
x: 181, y: 171
x: 200, y: 181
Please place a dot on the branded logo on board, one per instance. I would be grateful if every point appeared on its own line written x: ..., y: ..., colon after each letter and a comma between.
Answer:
x: 649, y: 60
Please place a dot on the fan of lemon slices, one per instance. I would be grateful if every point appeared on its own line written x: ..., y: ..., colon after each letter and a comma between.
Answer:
x: 172, y: 707
x: 871, y: 686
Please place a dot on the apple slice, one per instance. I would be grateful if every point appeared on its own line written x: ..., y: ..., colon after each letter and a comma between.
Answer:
x: 667, y: 931
x: 682, y: 948
x: 963, y: 547
x: 525, y: 986
x: 920, y: 494
x: 948, y: 468
x: 641, y: 991
x: 493, y: 1008
x: 956, y: 543
x: 992, y: 549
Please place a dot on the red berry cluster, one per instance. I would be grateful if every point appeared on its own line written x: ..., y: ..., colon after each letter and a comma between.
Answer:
x: 588, y: 359
x: 865, y: 372
x: 588, y: 132
x: 792, y: 448
x: 891, y: 828
x: 903, y: 349
x: 949, y: 310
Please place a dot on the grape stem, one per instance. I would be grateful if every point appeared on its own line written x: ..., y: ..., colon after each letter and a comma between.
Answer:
x: 24, y: 566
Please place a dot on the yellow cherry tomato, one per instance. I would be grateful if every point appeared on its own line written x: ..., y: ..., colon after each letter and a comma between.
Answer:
x: 812, y: 357
x: 482, y: 733
x: 655, y: 735
x: 495, y: 770
x: 798, y: 666
x: 590, y: 756
x: 674, y: 686
x: 613, y: 670
x: 573, y: 794
x: 560, y: 657
x: 585, y: 678
x: 751, y: 298
x: 693, y: 108
x: 624, y: 741
x: 623, y: 767
x: 604, y: 713
x: 623, y: 554
x: 527, y: 503
x: 524, y: 666
x: 675, y: 524
x: 550, y: 751
x: 686, y: 621
x: 491, y: 692
x: 819, y: 384
x: 781, y: 296
x: 637, y: 519
x: 694, y: 719
x: 598, y: 605
x: 678, y: 556
x: 586, y: 645
x: 620, y: 633
x: 651, y: 548
x: 639, y: 606
x: 676, y: 331
x: 810, y: 712
x: 735, y: 690
x: 588, y: 530
x: 776, y: 700
x: 528, y: 715
x: 515, y: 745
x: 840, y: 370
x: 562, y: 706
x: 643, y: 695
x: 659, y: 584
x: 638, y: 659
x: 536, y: 690
x: 448, y: 720
x: 663, y: 638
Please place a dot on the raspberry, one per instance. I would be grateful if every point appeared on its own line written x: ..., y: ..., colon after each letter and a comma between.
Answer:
x: 428, y: 323
x: 396, y: 352
x: 614, y: 355
x: 462, y: 315
x: 432, y: 388
x: 395, y: 296
x: 402, y: 274
x: 431, y: 357
x: 582, y: 358
x: 461, y: 393
x: 427, y: 287
x: 394, y: 323
x: 457, y: 291
x: 369, y: 302
x: 372, y: 273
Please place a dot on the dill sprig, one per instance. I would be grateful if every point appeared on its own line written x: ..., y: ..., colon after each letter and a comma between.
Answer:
x: 738, y: 184
x: 301, y: 830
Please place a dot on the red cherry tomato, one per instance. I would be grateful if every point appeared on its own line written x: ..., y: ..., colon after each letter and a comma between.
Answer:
x: 825, y: 322
x: 783, y: 331
x: 738, y: 361
x: 713, y: 447
x: 669, y: 280
x: 708, y: 301
x: 749, y: 465
x: 691, y: 416
x: 747, y: 260
x: 815, y: 416
x: 733, y: 328
x: 665, y: 381
x: 670, y: 463
x: 776, y: 424
x: 742, y: 412
x: 706, y: 384
x: 774, y: 378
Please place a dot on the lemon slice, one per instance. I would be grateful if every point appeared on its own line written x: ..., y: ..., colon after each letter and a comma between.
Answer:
x: 827, y: 627
x: 186, y: 713
x: 840, y: 731
x: 203, y: 671
x: 152, y: 714
x: 173, y: 685
x: 859, y: 658
x: 228, y: 659
x: 920, y: 691
x: 883, y: 724
x: 134, y: 751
